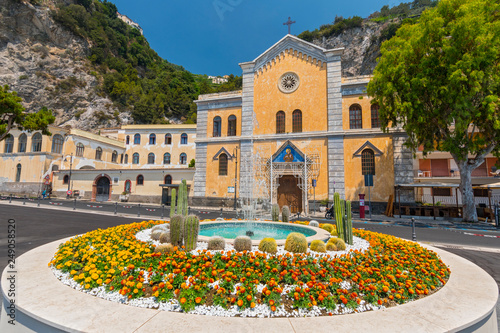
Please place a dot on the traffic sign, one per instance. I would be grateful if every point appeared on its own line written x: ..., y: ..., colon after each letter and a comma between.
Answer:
x: 69, y: 192
x: 314, y: 182
x: 368, y: 180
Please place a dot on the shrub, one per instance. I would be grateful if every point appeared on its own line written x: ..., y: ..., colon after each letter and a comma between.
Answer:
x: 296, y: 243
x: 327, y: 227
x: 285, y: 214
x: 268, y: 245
x: 275, y: 212
x: 191, y: 231
x: 216, y: 243
x: 338, y: 242
x: 243, y: 243
x: 165, y: 237
x: 164, y: 248
x: 314, y: 224
x: 318, y: 246
x: 176, y: 229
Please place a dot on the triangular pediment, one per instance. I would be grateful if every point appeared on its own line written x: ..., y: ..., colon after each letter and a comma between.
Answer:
x: 368, y: 145
x: 288, y: 153
x: 222, y: 151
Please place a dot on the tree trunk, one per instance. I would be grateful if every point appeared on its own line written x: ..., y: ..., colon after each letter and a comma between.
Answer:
x: 469, y: 212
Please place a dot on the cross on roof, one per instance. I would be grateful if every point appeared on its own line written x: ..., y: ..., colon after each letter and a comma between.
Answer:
x: 289, y: 24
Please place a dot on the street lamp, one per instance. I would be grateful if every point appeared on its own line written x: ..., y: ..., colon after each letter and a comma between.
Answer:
x: 235, y: 156
x: 69, y: 178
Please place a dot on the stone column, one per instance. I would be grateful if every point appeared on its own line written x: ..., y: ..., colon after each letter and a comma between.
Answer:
x: 403, y: 166
x: 201, y: 151
x: 336, y: 182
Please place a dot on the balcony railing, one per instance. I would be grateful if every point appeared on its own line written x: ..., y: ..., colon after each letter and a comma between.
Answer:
x: 436, y: 173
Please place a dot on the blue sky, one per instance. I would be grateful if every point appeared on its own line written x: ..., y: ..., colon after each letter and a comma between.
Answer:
x: 213, y: 36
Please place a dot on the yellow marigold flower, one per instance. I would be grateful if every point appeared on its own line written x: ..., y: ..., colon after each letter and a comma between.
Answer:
x: 95, y: 276
x: 139, y: 285
x: 99, y: 281
x: 87, y: 286
x: 136, y: 291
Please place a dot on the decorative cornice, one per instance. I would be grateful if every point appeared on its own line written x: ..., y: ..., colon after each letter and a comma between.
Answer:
x: 222, y: 151
x: 369, y: 145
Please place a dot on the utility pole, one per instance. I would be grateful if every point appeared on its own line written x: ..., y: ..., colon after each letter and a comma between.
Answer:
x: 69, y: 178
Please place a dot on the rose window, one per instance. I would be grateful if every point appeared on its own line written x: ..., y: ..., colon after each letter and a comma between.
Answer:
x: 289, y: 82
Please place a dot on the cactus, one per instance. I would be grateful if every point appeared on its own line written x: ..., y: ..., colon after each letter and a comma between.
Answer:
x: 268, y: 245
x: 216, y: 243
x: 164, y: 248
x: 184, y: 210
x: 180, y: 200
x: 338, y: 242
x: 285, y: 214
x: 243, y: 243
x: 172, y: 203
x: 331, y: 246
x: 176, y: 229
x: 348, y: 223
x: 155, y: 235
x: 314, y: 224
x: 339, y: 214
x: 161, y: 227
x: 164, y: 237
x: 296, y: 243
x: 191, y: 230
x: 318, y: 246
x: 327, y: 227
x: 275, y: 212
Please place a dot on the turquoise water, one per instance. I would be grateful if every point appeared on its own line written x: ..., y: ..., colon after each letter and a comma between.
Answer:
x: 231, y: 230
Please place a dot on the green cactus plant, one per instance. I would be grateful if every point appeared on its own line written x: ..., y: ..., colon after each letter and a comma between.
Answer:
x: 164, y: 248
x: 285, y: 214
x: 296, y: 243
x: 348, y: 223
x: 338, y: 242
x: 173, y: 201
x: 318, y: 246
x: 314, y: 224
x: 243, y: 243
x: 191, y: 231
x: 339, y: 214
x: 184, y: 211
x: 275, y: 212
x: 268, y: 245
x: 327, y: 227
x: 164, y: 237
x: 216, y: 243
x: 331, y: 246
x: 176, y: 229
x: 155, y: 235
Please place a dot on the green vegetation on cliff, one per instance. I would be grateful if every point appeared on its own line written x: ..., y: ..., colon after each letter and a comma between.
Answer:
x: 133, y: 74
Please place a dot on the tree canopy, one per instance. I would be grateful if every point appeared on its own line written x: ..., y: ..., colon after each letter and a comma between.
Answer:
x: 440, y: 80
x: 12, y: 115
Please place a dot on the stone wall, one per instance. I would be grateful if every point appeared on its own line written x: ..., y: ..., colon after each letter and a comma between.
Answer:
x: 403, y: 166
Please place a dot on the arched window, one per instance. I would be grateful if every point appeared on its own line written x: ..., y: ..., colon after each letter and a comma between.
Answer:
x: 168, y: 139
x: 23, y: 139
x: 128, y: 186
x: 66, y: 179
x: 18, y: 173
x: 36, y: 142
x: 121, y: 158
x: 9, y: 144
x: 280, y: 122
x: 135, y: 158
x: 375, y: 118
x: 231, y: 125
x: 355, y: 119
x: 217, y: 126
x: 137, y: 139
x: 126, y: 159
x: 222, y: 164
x: 127, y: 140
x: 57, y: 144
x: 98, y: 153
x: 168, y: 179
x: 297, y: 121
x: 79, y: 149
x: 166, y: 158
x: 151, y: 158
x: 183, y: 158
x: 367, y: 162
x: 184, y: 139
x: 140, y: 180
x: 114, y: 156
x: 152, y: 139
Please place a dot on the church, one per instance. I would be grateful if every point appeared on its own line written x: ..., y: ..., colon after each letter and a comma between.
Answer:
x: 296, y: 133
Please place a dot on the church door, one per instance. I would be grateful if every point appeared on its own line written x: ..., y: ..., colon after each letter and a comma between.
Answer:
x: 290, y: 194
x: 102, y: 189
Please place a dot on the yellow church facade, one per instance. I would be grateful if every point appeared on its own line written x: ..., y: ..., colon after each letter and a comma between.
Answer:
x: 297, y: 131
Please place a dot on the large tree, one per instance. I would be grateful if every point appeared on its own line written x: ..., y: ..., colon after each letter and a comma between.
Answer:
x: 439, y: 79
x: 13, y: 115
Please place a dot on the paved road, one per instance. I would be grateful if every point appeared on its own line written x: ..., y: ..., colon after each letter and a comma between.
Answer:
x: 37, y: 226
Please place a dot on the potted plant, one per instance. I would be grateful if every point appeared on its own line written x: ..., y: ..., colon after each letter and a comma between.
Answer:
x: 124, y: 196
x: 323, y: 205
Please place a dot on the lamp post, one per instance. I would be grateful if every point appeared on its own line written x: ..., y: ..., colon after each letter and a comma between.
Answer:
x: 235, y: 156
x: 69, y: 178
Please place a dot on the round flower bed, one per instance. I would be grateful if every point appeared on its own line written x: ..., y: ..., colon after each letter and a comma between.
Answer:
x: 114, y: 264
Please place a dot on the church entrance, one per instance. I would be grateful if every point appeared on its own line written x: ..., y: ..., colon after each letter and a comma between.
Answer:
x: 102, y: 189
x: 290, y: 194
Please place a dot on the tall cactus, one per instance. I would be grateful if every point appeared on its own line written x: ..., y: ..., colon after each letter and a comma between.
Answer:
x: 275, y: 212
x: 191, y: 230
x: 176, y: 229
x: 285, y: 214
x: 173, y: 202
x: 348, y: 223
x: 339, y: 214
x: 185, y: 201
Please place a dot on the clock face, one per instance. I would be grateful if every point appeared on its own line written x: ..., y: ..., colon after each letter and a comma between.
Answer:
x: 289, y: 82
